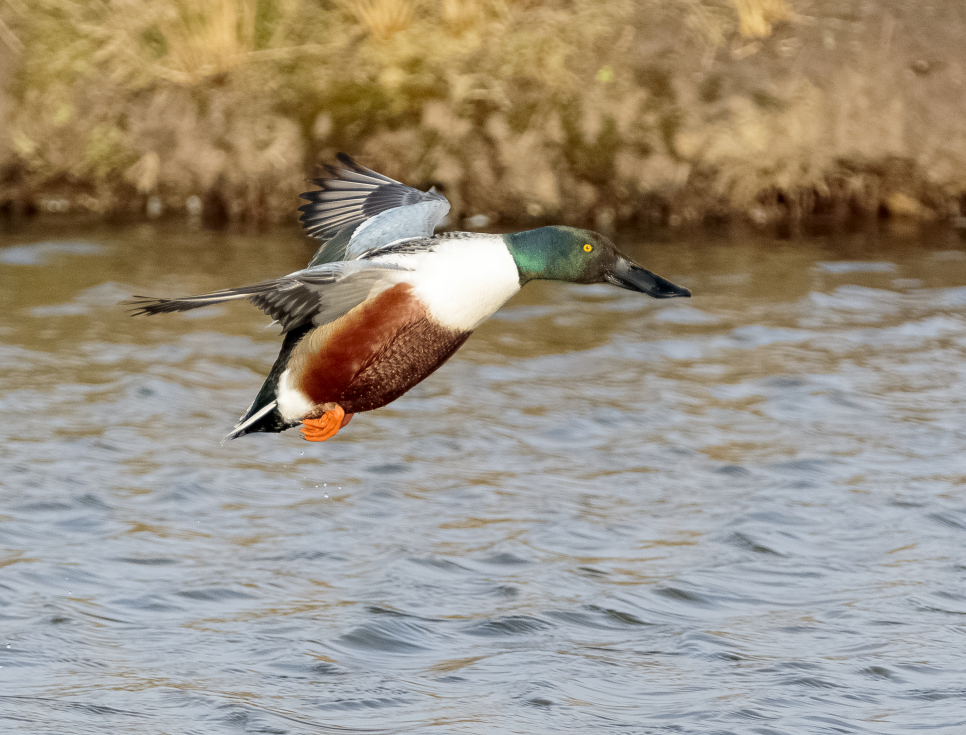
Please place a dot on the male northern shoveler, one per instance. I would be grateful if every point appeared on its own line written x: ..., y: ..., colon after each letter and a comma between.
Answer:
x: 385, y: 302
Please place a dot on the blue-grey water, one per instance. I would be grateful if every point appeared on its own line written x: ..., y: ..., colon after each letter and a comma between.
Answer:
x: 739, y: 513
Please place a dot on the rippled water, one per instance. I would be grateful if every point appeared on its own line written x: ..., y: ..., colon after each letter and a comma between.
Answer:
x: 738, y: 513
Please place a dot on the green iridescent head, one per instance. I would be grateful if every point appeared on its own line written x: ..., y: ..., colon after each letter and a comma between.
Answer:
x: 561, y: 253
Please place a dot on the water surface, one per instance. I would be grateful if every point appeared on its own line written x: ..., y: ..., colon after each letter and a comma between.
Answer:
x: 738, y: 513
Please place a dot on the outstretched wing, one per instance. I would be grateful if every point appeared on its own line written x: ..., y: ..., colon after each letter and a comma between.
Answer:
x: 357, y: 211
x: 316, y: 295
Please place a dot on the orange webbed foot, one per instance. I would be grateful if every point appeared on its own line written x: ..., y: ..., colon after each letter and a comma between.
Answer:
x: 325, y: 426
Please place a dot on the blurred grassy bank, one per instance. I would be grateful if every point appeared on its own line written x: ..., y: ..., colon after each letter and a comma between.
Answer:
x: 585, y: 111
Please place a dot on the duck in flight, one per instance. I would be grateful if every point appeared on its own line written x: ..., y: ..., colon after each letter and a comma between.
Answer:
x: 385, y: 301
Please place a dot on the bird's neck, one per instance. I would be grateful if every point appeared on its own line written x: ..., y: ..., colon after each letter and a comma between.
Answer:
x: 539, y: 253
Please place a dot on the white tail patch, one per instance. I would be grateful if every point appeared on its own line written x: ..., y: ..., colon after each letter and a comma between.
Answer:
x: 240, y: 427
x: 293, y: 404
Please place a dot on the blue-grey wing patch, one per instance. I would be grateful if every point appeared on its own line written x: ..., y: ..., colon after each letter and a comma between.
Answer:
x: 318, y: 294
x: 357, y: 210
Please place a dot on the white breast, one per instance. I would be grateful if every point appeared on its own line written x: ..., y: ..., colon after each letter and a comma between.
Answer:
x: 463, y: 281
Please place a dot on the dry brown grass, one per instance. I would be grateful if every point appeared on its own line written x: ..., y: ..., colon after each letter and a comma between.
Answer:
x: 587, y: 111
x: 383, y: 19
x: 187, y: 42
x: 757, y: 17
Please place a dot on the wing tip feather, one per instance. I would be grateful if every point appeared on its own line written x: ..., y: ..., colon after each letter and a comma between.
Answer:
x: 353, y: 194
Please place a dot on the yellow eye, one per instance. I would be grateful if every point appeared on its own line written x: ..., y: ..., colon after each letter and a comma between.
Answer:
x: 588, y: 247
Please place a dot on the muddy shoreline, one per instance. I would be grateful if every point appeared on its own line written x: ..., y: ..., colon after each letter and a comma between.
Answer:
x: 781, y: 115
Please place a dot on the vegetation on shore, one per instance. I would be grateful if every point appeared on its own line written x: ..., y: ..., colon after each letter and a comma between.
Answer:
x: 584, y: 111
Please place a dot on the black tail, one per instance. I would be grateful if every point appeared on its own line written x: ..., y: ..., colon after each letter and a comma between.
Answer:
x: 263, y: 414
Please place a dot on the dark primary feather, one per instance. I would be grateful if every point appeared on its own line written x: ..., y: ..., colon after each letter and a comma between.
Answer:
x: 318, y: 295
x: 349, y: 196
x: 272, y: 420
x: 417, y: 245
x: 151, y: 305
x: 406, y: 247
